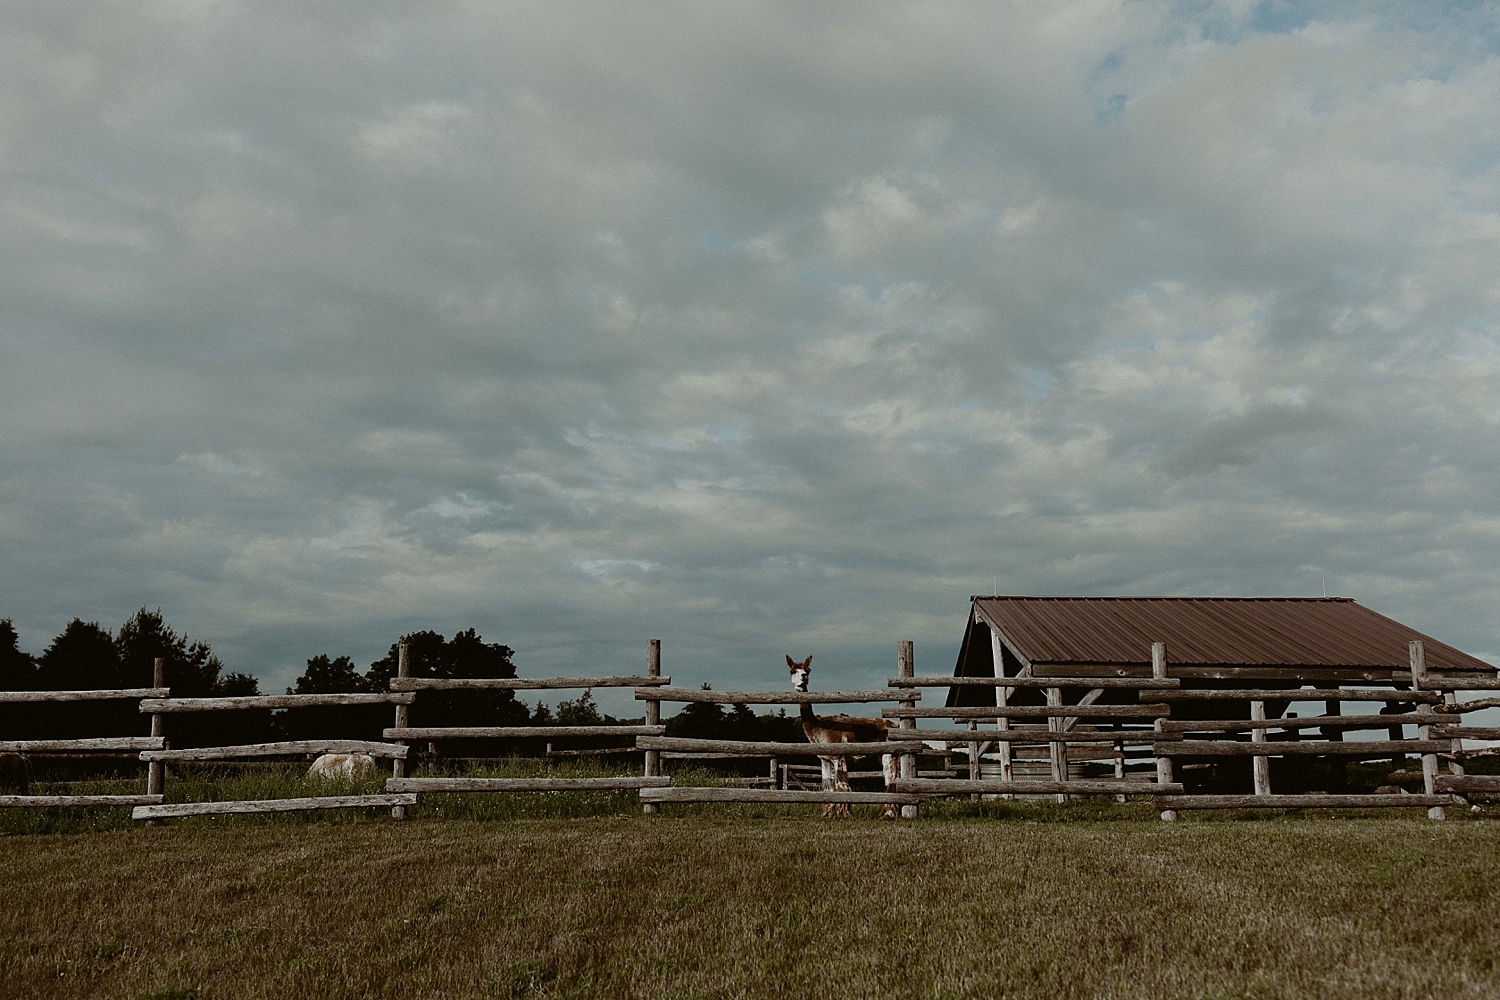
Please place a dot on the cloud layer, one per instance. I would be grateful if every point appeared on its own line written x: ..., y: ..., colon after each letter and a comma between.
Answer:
x: 759, y: 328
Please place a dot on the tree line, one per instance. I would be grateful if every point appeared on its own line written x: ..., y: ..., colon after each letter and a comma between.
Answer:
x: 88, y: 656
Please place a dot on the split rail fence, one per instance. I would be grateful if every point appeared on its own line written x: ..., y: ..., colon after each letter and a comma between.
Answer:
x: 1144, y: 732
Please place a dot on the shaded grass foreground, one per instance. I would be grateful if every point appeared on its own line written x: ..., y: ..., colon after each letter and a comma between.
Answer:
x: 716, y: 906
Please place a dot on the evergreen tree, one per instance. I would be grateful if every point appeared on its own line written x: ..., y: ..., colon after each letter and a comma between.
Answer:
x: 17, y: 669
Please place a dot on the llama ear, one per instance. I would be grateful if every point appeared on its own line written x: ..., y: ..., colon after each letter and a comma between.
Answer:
x: 790, y: 663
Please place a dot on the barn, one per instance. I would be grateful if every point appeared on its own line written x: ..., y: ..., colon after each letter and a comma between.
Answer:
x: 1291, y: 657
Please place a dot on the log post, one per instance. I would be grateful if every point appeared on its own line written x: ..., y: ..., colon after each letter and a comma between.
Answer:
x: 906, y: 666
x: 1338, y: 773
x: 1002, y: 698
x: 1120, y: 768
x: 775, y: 773
x: 403, y: 721
x: 973, y: 759
x: 156, y: 770
x: 1454, y: 767
x: 653, y: 718
x: 1163, y: 764
x: 1261, y: 766
x: 1057, y: 751
x: 1424, y: 732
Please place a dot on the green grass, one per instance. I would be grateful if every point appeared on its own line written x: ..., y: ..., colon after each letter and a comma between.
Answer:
x: 717, y: 902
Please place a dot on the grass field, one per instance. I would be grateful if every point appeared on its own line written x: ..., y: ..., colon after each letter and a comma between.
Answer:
x: 722, y: 903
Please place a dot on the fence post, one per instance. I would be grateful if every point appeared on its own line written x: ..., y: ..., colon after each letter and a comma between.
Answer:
x: 1424, y: 732
x: 156, y: 770
x: 906, y: 666
x: 1057, y: 752
x: 653, y: 716
x: 1163, y: 764
x: 1002, y: 699
x: 403, y: 719
x: 1260, y: 766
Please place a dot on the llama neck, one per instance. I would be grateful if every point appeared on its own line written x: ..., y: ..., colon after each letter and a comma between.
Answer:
x: 808, y: 718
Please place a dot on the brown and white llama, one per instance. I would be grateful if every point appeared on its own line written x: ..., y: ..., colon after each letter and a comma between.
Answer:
x: 841, y: 729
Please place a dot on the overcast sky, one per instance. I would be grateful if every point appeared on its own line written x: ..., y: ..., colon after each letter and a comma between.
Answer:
x: 760, y: 329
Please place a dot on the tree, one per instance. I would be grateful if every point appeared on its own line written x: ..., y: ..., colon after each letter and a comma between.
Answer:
x: 466, y: 655
x: 83, y: 657
x: 325, y: 676
x: 17, y: 669
x: 192, y: 670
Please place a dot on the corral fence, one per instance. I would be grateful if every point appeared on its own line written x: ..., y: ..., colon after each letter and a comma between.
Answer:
x: 1010, y: 750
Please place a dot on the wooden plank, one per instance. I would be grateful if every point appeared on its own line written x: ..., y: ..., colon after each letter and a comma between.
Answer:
x: 1260, y: 764
x: 278, y: 750
x: 516, y: 732
x: 520, y: 683
x: 1313, y: 748
x: 771, y: 697
x: 779, y: 749
x: 991, y: 712
x: 1130, y: 737
x: 522, y: 784
x: 124, y: 744
x: 1466, y: 732
x: 1302, y: 722
x: 959, y: 786
x: 1300, y: 801
x: 1460, y: 707
x: 1155, y: 683
x: 1435, y: 682
x: 244, y: 806
x: 1293, y: 694
x: 100, y: 694
x: 153, y: 705
x: 48, y: 801
x: 774, y: 795
x: 1467, y: 783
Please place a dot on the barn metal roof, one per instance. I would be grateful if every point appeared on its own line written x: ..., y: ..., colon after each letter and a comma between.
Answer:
x: 1326, y: 632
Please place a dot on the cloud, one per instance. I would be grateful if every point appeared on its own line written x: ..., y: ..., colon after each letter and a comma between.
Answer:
x: 746, y: 328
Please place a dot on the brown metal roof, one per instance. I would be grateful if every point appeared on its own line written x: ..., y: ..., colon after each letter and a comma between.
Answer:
x: 1230, y: 631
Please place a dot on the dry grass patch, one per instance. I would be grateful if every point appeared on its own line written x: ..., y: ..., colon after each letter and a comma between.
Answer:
x: 723, y: 905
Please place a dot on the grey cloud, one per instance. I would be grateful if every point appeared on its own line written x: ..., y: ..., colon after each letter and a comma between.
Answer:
x: 750, y: 328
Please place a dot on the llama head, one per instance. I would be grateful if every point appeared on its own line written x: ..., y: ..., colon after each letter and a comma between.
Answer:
x: 800, y: 672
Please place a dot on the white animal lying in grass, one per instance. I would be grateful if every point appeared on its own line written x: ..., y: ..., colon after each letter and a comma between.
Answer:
x: 341, y: 765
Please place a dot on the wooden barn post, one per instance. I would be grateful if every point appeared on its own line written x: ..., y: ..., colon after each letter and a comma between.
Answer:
x: 403, y: 719
x: 1261, y: 766
x: 1424, y: 731
x: 156, y: 770
x: 1002, y: 698
x: 906, y: 666
x: 1058, y: 752
x: 1163, y: 764
x: 653, y: 716
x: 1338, y: 773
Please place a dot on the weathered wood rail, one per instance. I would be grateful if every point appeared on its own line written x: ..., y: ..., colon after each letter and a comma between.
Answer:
x: 1421, y: 699
x: 1138, y: 718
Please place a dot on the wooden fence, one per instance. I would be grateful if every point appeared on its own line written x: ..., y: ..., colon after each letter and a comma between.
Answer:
x: 1086, y: 729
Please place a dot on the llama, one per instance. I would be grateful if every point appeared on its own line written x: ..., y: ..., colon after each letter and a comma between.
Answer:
x: 841, y: 729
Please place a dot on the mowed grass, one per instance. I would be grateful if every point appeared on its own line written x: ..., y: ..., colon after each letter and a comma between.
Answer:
x: 724, y: 903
